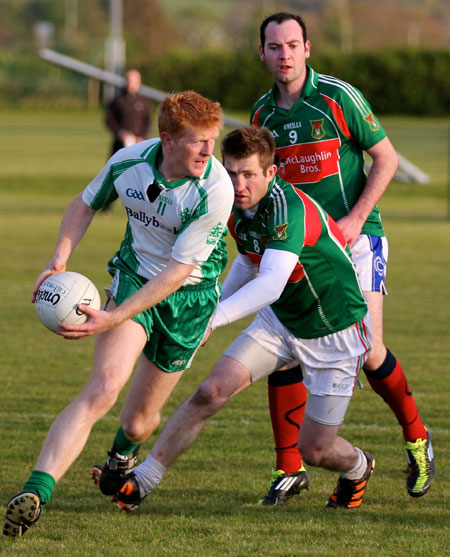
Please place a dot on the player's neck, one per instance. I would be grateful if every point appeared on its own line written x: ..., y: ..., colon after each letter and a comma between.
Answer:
x: 169, y: 173
x: 287, y: 94
x: 170, y: 170
x: 251, y: 211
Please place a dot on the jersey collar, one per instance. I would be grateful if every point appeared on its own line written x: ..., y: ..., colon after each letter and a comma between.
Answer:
x: 309, y: 89
x: 269, y: 190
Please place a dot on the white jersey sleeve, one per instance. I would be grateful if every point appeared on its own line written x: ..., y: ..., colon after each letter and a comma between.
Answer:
x: 275, y: 269
x: 101, y: 187
x: 242, y: 270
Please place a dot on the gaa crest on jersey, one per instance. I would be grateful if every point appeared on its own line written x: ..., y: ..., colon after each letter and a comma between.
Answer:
x: 280, y: 232
x: 317, y: 129
x: 215, y: 233
x: 185, y: 215
x: 373, y: 124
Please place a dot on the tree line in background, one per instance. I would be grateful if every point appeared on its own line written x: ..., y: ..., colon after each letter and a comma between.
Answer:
x: 153, y: 27
x: 395, y: 51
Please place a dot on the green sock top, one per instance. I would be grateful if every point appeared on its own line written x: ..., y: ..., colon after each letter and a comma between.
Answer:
x: 41, y: 484
x: 122, y: 444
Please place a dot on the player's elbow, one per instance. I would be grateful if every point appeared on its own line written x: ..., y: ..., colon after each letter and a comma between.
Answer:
x: 273, y: 292
x: 394, y: 160
x: 385, y: 157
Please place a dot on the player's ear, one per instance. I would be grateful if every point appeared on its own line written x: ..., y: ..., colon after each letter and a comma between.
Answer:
x: 271, y: 171
x: 307, y: 49
x: 261, y: 54
x: 166, y: 140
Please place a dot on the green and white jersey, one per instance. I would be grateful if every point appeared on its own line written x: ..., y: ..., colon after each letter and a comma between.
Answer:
x: 187, y: 221
x: 322, y: 295
x: 320, y: 142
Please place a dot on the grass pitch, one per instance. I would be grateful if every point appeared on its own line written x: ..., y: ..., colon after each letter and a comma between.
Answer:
x: 206, y: 503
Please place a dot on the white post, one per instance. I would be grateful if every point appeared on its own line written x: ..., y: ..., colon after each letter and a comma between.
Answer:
x: 114, y: 47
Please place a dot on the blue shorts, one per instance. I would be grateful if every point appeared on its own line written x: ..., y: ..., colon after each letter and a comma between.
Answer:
x: 370, y: 255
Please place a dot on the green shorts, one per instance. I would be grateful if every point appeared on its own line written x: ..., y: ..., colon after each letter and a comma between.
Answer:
x: 176, y: 326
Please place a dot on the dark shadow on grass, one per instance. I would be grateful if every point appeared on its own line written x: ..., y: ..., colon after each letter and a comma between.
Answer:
x: 204, y: 503
x: 193, y: 503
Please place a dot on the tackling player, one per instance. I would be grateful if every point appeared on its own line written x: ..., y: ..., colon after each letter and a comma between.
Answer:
x: 165, y: 287
x: 321, y: 127
x: 294, y: 269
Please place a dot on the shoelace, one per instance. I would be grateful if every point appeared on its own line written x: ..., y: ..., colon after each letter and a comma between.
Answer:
x: 275, y: 475
x: 419, y: 454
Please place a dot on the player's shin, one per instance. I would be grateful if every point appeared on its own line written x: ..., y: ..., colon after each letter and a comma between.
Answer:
x: 121, y: 461
x: 287, y: 399
x: 389, y: 382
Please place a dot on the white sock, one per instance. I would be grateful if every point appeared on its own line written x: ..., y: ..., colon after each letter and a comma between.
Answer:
x: 358, y: 471
x: 149, y: 474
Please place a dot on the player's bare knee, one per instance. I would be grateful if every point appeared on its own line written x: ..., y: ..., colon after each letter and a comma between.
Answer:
x: 101, y: 395
x: 133, y: 433
x: 138, y: 428
x: 208, y: 396
x: 376, y: 357
x: 313, y: 454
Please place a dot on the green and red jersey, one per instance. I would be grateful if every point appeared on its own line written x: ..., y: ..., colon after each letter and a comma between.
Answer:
x: 320, y: 142
x: 322, y: 295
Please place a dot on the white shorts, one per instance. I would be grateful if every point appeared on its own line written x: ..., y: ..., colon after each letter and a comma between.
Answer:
x: 331, y: 364
x: 370, y: 255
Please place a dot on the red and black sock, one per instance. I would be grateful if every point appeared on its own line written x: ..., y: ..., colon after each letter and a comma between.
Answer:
x: 287, y: 401
x: 390, y: 383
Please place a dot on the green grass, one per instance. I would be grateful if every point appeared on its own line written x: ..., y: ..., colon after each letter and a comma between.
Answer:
x: 205, y: 506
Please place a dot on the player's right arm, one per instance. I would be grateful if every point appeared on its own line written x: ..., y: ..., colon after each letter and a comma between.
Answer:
x: 274, y: 271
x: 242, y: 270
x: 382, y: 171
x: 76, y: 220
x: 169, y: 280
x: 78, y: 216
x: 366, y: 131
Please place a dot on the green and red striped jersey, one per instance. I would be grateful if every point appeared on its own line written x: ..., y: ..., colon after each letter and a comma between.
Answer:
x: 320, y: 142
x: 322, y: 295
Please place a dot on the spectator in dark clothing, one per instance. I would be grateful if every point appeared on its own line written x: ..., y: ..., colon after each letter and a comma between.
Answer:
x: 128, y: 115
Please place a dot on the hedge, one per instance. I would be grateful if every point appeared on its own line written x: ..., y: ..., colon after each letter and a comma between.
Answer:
x: 394, y: 81
x: 28, y: 81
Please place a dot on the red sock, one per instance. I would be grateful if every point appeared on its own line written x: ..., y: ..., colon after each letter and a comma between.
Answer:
x: 287, y: 400
x: 390, y: 383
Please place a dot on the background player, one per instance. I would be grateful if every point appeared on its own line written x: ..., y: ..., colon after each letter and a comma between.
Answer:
x: 165, y: 286
x: 321, y: 127
x: 128, y: 116
x: 317, y: 315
